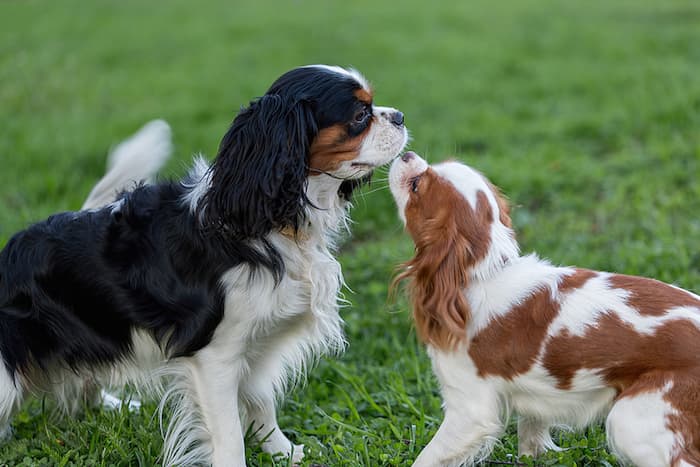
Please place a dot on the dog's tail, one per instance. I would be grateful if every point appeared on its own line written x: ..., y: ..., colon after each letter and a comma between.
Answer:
x: 134, y: 160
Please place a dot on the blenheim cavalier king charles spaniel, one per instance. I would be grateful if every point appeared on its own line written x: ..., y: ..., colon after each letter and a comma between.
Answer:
x: 222, y: 286
x: 556, y: 345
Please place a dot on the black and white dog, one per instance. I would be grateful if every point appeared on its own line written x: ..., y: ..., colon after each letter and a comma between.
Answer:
x: 225, y: 283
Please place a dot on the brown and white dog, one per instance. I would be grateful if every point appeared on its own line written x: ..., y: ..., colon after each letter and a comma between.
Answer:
x: 556, y: 345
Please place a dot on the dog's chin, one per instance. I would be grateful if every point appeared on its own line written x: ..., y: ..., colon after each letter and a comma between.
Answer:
x: 348, y: 187
x: 361, y: 175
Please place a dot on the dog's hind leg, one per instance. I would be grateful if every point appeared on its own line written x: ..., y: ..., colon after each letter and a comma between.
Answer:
x: 654, y: 426
x: 136, y: 159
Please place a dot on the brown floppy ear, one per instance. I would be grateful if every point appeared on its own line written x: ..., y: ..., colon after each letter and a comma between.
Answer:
x: 451, y: 237
x: 503, y: 205
x: 438, y: 275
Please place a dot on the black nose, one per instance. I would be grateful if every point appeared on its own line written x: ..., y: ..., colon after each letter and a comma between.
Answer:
x: 397, y: 118
x: 408, y: 156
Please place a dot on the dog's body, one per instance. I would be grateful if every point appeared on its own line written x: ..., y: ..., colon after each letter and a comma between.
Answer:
x: 225, y: 282
x: 556, y: 345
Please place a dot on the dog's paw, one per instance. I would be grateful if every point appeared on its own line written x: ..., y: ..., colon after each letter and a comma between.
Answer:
x: 5, y: 432
x: 111, y: 402
x: 297, y: 454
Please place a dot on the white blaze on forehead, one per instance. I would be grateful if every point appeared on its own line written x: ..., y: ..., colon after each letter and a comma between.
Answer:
x: 467, y: 181
x: 351, y: 72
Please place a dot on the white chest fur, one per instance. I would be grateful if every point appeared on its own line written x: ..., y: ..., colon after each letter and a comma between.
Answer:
x: 276, y: 328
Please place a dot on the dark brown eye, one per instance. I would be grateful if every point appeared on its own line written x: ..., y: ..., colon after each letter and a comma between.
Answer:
x: 362, y: 115
x: 414, y: 184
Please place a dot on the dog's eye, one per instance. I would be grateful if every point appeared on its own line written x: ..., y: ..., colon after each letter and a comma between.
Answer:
x: 362, y: 115
x: 414, y: 184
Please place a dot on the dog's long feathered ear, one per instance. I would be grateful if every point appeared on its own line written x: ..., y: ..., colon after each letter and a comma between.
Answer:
x: 438, y: 275
x: 449, y: 243
x: 258, y: 180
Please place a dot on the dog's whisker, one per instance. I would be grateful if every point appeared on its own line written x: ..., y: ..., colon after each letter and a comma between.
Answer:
x: 375, y: 190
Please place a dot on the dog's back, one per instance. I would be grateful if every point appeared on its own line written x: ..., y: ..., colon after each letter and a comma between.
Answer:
x: 76, y: 286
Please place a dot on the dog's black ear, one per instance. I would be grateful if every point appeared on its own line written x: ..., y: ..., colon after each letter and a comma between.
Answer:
x: 258, y: 180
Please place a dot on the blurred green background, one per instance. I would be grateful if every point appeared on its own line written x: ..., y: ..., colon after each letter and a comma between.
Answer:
x: 587, y: 114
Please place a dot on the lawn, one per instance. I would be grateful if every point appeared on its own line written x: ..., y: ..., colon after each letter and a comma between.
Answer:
x: 587, y: 114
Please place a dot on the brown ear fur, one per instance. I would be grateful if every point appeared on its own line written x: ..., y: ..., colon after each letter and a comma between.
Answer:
x: 450, y: 239
x: 503, y: 205
x: 438, y: 276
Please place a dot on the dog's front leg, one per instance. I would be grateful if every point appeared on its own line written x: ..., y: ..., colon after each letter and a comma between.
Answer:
x: 257, y: 394
x: 216, y: 379
x: 472, y: 419
x: 262, y: 415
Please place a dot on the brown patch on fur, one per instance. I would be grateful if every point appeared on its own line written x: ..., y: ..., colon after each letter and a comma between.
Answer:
x: 691, y: 456
x: 632, y: 362
x: 651, y: 297
x: 450, y: 238
x: 620, y: 354
x: 684, y: 397
x: 364, y: 95
x: 332, y: 146
x: 510, y: 344
x: 576, y: 280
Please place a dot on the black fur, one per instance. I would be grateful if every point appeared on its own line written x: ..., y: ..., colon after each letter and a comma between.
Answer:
x: 264, y: 156
x: 74, y: 287
x: 259, y: 176
x: 348, y: 187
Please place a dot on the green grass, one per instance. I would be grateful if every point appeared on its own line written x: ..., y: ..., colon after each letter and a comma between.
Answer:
x: 587, y: 114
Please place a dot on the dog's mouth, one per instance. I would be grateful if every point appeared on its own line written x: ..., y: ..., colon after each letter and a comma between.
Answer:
x: 363, y: 165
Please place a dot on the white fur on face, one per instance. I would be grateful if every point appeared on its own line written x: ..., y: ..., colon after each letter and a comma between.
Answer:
x: 400, y: 175
x: 383, y: 142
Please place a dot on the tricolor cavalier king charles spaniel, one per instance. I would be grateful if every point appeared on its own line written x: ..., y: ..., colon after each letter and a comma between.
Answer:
x: 224, y: 283
x: 556, y: 345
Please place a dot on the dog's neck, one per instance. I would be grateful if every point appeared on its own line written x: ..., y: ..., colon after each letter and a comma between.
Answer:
x: 503, y: 251
x: 327, y: 211
x: 326, y: 216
